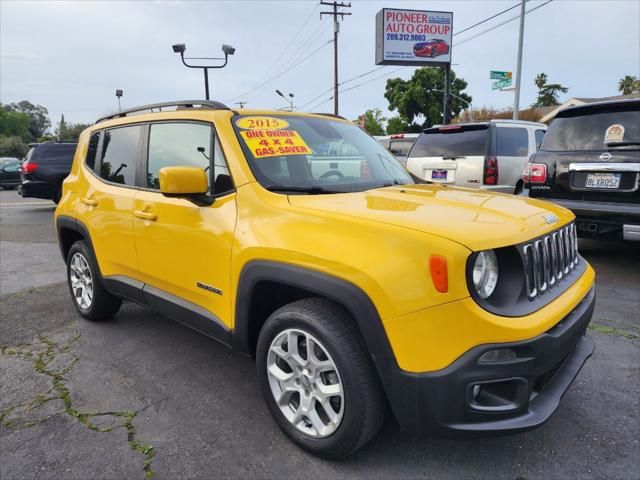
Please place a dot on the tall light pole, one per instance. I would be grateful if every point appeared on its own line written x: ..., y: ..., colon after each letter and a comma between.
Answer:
x: 119, y: 95
x: 226, y: 49
x: 288, y: 100
x: 516, y: 99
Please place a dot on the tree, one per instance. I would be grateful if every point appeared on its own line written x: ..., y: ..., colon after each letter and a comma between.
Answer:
x: 373, y: 121
x: 13, y: 147
x: 422, y: 97
x: 628, y: 85
x: 38, y: 115
x: 397, y: 125
x: 547, y: 92
x: 490, y: 113
x: 69, y: 132
x: 14, y: 124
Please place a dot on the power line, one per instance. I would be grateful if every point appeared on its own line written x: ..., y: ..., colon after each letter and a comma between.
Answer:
x: 398, y: 69
x: 336, y: 29
x: 487, y: 19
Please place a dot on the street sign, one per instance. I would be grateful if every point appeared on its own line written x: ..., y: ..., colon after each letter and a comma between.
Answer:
x: 498, y: 75
x: 501, y: 84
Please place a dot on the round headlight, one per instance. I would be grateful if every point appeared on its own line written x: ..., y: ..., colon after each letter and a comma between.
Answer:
x: 485, y: 273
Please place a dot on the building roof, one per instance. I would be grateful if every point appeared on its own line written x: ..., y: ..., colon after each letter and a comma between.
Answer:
x: 549, y: 113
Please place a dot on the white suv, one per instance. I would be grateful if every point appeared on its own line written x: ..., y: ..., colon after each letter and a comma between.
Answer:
x: 488, y: 155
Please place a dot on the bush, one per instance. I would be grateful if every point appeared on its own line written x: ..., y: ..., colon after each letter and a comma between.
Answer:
x: 13, y: 147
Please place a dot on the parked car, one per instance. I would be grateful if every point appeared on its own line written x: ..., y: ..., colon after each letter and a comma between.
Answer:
x: 487, y: 155
x: 590, y: 163
x: 9, y: 173
x: 431, y: 48
x: 398, y: 144
x: 44, y: 168
x: 351, y: 292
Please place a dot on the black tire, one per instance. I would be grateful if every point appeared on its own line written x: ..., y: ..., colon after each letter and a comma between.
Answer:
x: 103, y: 305
x: 9, y: 187
x: 364, y: 402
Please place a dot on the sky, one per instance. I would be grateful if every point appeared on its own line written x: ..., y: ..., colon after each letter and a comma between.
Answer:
x: 71, y: 56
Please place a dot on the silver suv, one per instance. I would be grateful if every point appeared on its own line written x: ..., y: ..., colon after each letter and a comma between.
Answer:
x: 488, y: 155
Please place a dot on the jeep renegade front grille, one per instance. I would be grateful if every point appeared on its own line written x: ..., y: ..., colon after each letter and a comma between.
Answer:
x: 549, y: 259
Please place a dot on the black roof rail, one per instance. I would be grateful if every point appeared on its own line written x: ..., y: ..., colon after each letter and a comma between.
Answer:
x: 206, y: 104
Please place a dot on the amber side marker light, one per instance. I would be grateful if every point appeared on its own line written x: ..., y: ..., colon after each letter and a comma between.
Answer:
x: 438, y: 268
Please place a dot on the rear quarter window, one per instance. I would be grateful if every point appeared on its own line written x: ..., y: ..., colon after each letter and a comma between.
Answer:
x: 512, y: 142
x: 120, y: 154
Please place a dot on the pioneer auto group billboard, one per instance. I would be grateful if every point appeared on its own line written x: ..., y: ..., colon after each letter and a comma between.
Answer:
x: 413, y: 37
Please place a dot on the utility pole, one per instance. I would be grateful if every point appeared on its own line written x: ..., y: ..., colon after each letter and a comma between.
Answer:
x: 336, y: 29
x: 446, y: 108
x: 242, y: 104
x: 516, y: 99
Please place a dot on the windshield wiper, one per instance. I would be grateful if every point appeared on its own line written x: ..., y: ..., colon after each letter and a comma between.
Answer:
x: 310, y: 190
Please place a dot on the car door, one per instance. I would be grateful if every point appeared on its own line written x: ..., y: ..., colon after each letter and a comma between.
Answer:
x: 105, y: 201
x: 184, y: 247
x: 512, y: 149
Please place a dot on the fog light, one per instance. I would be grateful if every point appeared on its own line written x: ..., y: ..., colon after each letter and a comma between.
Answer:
x: 475, y: 392
x: 498, y: 355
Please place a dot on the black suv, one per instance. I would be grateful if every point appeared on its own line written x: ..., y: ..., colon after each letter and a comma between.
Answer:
x: 44, y: 168
x: 589, y: 162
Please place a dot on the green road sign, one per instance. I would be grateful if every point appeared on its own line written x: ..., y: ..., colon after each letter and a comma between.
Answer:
x: 497, y: 75
x: 501, y: 84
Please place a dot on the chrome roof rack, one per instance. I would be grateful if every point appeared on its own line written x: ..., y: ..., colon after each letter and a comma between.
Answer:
x: 181, y: 104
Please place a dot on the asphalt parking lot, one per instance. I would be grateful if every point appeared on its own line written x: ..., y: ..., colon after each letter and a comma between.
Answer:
x: 141, y: 396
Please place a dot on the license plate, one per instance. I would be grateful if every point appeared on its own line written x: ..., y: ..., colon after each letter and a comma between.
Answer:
x: 603, y: 180
x: 439, y: 175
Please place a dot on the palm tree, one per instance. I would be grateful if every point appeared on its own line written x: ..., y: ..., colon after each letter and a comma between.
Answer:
x: 629, y: 84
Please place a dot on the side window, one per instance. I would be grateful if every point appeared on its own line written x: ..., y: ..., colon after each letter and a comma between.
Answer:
x: 539, y: 136
x: 177, y: 144
x: 119, y: 154
x: 92, y: 150
x: 512, y: 142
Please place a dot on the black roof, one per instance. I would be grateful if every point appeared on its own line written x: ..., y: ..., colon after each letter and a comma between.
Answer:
x: 626, y: 104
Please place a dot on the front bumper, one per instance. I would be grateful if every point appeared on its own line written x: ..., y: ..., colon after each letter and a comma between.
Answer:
x: 518, y: 394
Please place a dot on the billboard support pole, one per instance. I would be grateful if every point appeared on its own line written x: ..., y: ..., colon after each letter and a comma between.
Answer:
x: 516, y: 99
x: 446, y: 109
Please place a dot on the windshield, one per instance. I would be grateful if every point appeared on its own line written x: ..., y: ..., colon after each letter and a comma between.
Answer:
x: 296, y: 154
x: 597, y: 131
x: 452, y: 142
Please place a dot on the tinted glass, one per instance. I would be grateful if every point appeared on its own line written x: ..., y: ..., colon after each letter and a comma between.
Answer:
x: 539, y: 137
x: 92, y: 150
x: 317, y: 153
x: 452, y: 142
x: 588, y: 131
x: 221, y: 176
x: 512, y: 142
x: 400, y: 148
x: 177, y: 145
x: 60, y: 153
x: 119, y: 154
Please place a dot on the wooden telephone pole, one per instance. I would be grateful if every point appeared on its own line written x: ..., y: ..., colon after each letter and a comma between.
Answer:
x: 336, y: 29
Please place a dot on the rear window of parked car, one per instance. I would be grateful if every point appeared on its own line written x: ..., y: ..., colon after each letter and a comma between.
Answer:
x: 512, y: 142
x: 452, y: 142
x: 587, y: 131
x: 119, y: 154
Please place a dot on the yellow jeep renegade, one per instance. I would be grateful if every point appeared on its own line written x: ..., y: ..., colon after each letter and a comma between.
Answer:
x: 297, y: 239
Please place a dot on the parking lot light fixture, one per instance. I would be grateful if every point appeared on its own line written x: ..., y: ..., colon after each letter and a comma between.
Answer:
x: 288, y: 100
x: 226, y: 49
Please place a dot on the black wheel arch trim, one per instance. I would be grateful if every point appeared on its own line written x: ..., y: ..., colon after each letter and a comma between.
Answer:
x: 70, y: 223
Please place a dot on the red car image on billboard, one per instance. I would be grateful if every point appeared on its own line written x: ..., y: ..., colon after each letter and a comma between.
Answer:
x: 431, y: 48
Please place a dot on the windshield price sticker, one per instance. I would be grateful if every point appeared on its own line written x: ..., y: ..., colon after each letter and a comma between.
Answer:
x: 262, y: 123
x: 275, y: 143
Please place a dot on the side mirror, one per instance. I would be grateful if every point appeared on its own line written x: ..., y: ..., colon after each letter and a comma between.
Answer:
x: 185, y: 182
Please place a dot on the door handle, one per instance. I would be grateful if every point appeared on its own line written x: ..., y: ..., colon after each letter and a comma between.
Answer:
x: 89, y: 201
x: 152, y: 217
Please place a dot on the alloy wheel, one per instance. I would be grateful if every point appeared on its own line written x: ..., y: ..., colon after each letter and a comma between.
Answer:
x: 305, y: 383
x: 81, y: 281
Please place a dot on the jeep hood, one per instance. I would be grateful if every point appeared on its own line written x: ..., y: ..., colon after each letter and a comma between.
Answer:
x: 475, y: 218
